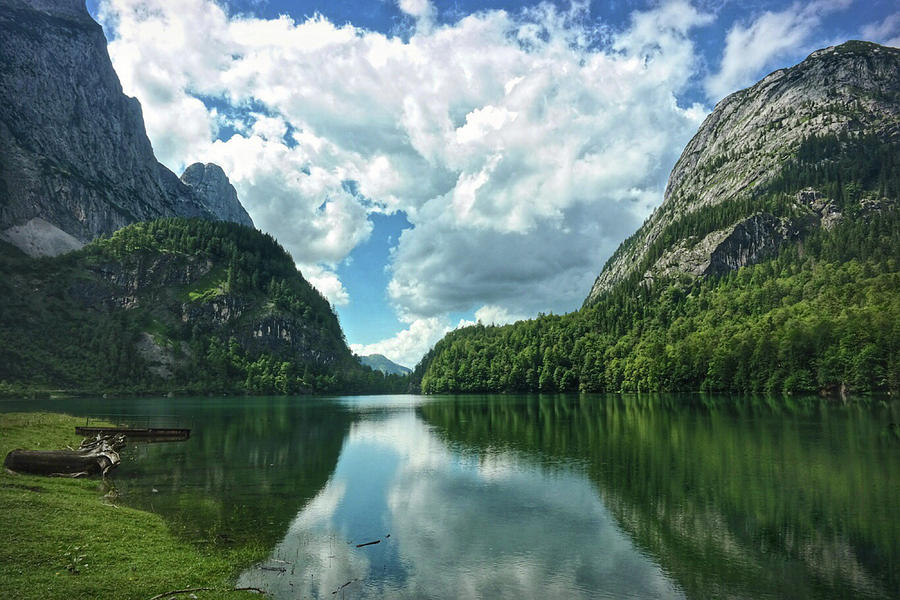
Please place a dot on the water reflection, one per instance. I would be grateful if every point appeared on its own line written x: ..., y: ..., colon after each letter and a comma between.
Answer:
x: 452, y: 524
x: 731, y: 497
x: 249, y: 466
x: 532, y: 496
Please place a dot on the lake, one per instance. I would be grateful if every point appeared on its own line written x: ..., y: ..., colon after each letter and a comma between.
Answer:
x: 563, y: 496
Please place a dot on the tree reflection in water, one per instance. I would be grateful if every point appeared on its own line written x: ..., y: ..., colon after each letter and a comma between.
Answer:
x: 250, y: 465
x: 732, y: 497
x: 533, y: 496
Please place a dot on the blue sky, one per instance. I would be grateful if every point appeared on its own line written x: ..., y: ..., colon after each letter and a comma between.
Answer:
x: 430, y: 164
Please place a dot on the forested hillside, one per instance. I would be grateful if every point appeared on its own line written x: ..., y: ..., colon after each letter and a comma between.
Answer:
x: 173, y: 305
x: 822, y: 315
x: 788, y: 284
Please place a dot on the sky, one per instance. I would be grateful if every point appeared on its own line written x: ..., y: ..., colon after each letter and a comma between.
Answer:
x: 431, y: 164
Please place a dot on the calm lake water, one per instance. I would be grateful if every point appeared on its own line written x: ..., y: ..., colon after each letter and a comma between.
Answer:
x: 530, y: 496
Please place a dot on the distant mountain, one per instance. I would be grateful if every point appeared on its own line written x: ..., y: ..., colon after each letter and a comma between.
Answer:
x: 75, y: 161
x: 379, y: 362
x: 772, y: 265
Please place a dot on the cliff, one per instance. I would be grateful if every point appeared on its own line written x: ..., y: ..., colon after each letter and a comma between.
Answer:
x: 75, y: 160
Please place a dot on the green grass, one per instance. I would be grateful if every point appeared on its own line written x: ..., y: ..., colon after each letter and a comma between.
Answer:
x: 61, y: 538
x: 206, y: 295
x: 210, y: 286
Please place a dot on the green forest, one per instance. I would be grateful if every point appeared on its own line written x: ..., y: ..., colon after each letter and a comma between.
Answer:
x: 822, y: 316
x: 200, y: 289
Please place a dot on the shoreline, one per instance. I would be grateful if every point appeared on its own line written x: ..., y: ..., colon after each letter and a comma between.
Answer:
x: 69, y: 539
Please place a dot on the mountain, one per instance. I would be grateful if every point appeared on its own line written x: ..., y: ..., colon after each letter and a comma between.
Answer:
x: 717, y: 214
x: 174, y: 304
x: 379, y: 362
x: 771, y: 267
x: 210, y: 184
x: 118, y: 276
x: 75, y: 161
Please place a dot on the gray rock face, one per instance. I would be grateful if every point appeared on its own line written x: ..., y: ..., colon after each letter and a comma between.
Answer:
x: 37, y: 237
x: 739, y: 149
x: 211, y: 185
x: 751, y: 241
x: 73, y: 150
x: 745, y: 243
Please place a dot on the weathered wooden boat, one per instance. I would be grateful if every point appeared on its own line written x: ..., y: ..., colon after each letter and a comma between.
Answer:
x: 94, y: 456
x: 145, y: 434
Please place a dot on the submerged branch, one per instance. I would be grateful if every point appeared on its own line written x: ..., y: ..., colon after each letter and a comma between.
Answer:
x: 206, y: 589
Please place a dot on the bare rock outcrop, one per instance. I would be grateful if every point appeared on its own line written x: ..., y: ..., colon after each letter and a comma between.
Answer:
x: 211, y: 185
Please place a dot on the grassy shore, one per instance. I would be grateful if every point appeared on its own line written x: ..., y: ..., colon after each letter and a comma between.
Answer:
x: 61, y: 538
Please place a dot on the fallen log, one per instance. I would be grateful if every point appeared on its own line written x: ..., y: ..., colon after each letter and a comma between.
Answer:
x: 97, y: 455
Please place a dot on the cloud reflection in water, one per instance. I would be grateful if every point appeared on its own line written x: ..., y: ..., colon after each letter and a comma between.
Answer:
x: 461, y: 524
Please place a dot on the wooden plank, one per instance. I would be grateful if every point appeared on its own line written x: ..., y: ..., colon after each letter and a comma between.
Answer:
x: 143, y: 432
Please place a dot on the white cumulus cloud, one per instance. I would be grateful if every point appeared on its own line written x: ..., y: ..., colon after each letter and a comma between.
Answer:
x: 750, y: 48
x: 327, y: 282
x: 408, y: 345
x: 420, y: 9
x: 496, y: 315
x: 522, y: 147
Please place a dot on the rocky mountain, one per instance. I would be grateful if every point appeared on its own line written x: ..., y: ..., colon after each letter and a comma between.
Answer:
x: 715, y: 216
x: 75, y: 160
x: 380, y: 362
x: 771, y: 267
x: 211, y: 186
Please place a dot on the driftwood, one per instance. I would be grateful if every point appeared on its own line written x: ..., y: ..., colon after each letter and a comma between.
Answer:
x: 97, y: 455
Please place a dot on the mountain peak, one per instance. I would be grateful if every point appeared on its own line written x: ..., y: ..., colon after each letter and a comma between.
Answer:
x: 68, y: 170
x: 75, y: 159
x: 213, y: 188
x: 854, y: 47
